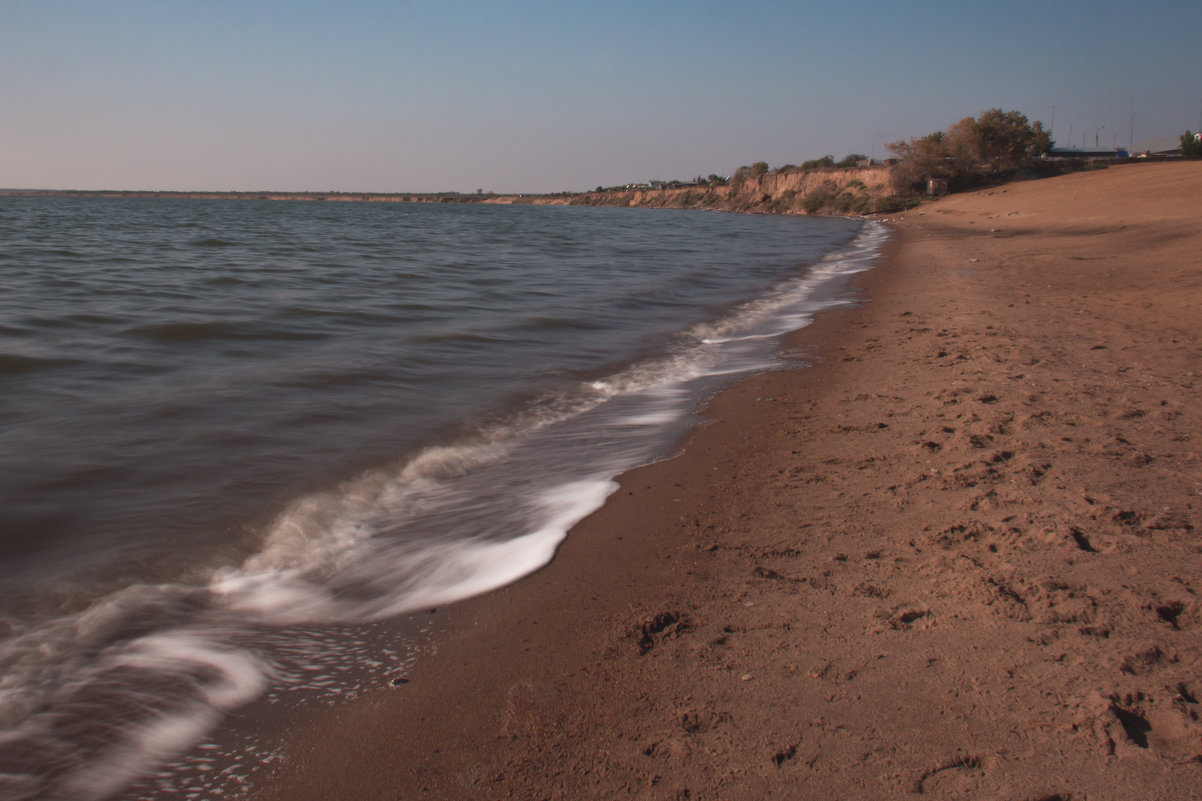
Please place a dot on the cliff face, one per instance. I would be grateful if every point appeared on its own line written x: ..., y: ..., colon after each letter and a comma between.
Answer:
x: 832, y: 191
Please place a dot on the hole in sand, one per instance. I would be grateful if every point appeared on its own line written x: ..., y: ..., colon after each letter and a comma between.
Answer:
x: 1082, y: 541
x: 1134, y: 725
x: 1170, y: 612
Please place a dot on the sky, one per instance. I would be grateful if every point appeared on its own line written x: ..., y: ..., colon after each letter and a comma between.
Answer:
x: 532, y: 96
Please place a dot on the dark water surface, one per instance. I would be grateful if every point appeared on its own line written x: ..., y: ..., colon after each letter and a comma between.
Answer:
x: 225, y: 418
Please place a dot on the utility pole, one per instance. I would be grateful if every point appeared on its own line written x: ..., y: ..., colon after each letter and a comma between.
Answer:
x: 1131, y: 146
x: 1052, y: 129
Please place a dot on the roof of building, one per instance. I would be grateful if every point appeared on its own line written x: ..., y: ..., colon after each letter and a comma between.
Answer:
x: 1159, y: 144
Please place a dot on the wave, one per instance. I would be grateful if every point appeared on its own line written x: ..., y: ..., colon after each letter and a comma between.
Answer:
x: 189, y: 331
x: 13, y: 364
x: 459, y: 337
x: 548, y: 322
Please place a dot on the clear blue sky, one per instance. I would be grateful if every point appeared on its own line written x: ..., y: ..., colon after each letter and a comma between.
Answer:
x: 433, y: 95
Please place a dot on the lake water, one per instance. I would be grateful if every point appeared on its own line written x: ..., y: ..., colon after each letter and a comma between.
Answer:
x: 223, y: 421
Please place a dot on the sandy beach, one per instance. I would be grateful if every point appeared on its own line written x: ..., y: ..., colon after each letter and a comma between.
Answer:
x: 955, y: 555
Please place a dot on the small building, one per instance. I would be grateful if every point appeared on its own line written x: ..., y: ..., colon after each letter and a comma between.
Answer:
x: 1160, y: 146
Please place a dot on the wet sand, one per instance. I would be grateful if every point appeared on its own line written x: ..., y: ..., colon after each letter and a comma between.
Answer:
x: 956, y: 556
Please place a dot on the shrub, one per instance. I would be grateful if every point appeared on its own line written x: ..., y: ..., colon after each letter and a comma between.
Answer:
x: 1191, y: 145
x: 817, y: 164
x: 785, y: 201
x: 993, y: 145
x: 822, y: 197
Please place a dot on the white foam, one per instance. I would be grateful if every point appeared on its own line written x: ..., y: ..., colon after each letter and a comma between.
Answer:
x: 235, y: 676
x: 746, y: 338
x: 652, y: 418
x: 404, y: 576
x: 446, y: 462
x: 204, y: 679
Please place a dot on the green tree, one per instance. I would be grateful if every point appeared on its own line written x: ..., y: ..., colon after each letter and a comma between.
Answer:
x: 1007, y: 141
x: 992, y: 145
x: 1191, y: 145
x: 920, y: 160
x: 851, y: 160
x: 759, y: 168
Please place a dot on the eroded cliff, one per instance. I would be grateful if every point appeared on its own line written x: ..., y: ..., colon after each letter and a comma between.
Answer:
x: 827, y: 191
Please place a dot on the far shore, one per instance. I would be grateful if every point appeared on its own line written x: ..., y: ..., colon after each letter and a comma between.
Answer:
x: 862, y: 190
x: 837, y: 190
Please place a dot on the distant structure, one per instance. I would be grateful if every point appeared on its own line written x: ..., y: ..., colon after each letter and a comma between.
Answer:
x: 1086, y: 154
x: 1161, y: 146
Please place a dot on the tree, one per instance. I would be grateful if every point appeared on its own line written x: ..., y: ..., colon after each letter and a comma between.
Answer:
x: 852, y: 160
x: 920, y: 160
x: 992, y: 145
x: 759, y: 168
x: 1007, y: 140
x: 1191, y: 145
x: 962, y: 148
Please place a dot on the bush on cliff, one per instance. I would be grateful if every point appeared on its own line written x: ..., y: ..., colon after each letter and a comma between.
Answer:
x: 821, y: 198
x: 754, y: 171
x: 818, y: 164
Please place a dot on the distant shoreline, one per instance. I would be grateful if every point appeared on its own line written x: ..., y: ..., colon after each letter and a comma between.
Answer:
x: 356, y: 197
x: 822, y: 191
